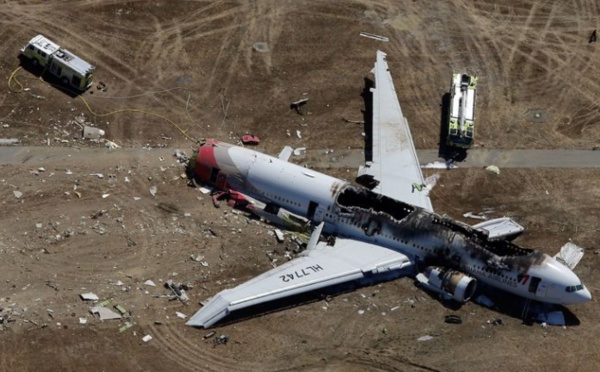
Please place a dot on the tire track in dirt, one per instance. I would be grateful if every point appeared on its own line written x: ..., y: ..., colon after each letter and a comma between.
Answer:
x: 181, y: 350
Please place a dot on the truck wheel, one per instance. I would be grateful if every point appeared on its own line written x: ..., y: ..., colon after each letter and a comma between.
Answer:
x: 65, y: 81
x: 34, y: 62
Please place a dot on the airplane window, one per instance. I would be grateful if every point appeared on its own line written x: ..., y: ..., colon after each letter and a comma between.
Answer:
x: 579, y: 287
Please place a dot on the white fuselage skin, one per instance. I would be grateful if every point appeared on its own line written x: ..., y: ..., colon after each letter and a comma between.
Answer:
x: 313, y: 195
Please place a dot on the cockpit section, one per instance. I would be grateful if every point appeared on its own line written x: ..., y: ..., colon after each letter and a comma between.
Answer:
x: 574, y: 288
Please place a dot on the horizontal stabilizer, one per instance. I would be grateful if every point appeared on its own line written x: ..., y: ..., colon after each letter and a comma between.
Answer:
x: 570, y: 255
x: 500, y: 228
x: 322, y: 267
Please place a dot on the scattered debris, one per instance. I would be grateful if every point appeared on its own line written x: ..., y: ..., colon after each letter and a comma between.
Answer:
x: 111, y: 145
x: 300, y: 151
x: 204, y: 190
x: 425, y: 338
x: 83, y: 320
x: 298, y: 134
x: 279, y: 235
x: 475, y: 216
x: 261, y: 47
x: 89, y: 296
x: 153, y: 190
x: 146, y: 338
x: 209, y: 335
x: 121, y: 309
x: 177, y: 290
x: 92, y: 133
x: 180, y: 315
x: 221, y: 340
x: 150, y: 283
x: 374, y: 37
x: 297, y: 105
x: 453, y: 319
x: 497, y: 321
x: 493, y: 169
x: 105, y: 313
x: 125, y: 327
x: 250, y: 139
x: 99, y: 175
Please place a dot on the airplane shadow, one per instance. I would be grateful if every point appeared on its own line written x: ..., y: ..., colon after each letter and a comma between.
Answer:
x: 367, y: 96
x: 446, y: 152
x: 39, y: 71
x: 516, y: 307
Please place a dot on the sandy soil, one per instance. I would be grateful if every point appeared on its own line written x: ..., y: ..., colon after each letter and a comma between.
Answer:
x: 193, y: 62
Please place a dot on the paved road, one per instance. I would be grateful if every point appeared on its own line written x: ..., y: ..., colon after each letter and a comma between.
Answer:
x: 476, y: 158
x: 315, y: 158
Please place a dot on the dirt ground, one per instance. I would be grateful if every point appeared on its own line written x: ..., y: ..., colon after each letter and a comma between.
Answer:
x: 191, y: 67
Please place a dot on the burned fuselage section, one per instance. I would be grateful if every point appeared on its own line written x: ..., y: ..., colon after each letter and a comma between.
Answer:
x: 431, y: 239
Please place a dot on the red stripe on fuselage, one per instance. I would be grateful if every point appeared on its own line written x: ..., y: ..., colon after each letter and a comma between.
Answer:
x: 206, y: 161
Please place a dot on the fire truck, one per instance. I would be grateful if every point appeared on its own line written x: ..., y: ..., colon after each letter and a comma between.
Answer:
x: 71, y: 70
x: 461, y: 126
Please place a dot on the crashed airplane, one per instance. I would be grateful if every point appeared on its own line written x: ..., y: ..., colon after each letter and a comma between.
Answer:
x: 387, y: 231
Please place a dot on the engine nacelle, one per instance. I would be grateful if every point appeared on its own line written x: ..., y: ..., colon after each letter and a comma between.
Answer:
x: 453, y: 283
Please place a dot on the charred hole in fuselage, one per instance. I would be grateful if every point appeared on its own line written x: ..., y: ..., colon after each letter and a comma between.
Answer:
x: 351, y: 198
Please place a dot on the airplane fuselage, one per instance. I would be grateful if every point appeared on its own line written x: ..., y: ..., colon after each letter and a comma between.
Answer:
x: 358, y: 213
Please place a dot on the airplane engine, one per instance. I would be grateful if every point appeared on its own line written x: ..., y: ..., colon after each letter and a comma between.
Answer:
x: 453, y: 283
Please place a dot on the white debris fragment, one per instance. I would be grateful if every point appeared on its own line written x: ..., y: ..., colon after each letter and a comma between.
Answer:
x: 298, y: 134
x: 68, y: 172
x: 475, y: 216
x: 361, y: 312
x: 17, y: 194
x: 204, y: 190
x: 493, y: 169
x: 99, y: 175
x: 153, y: 191
x: 83, y: 320
x: 105, y: 313
x: 89, y: 296
x: 279, y: 235
x: 374, y: 36
x: 146, y: 338
x: 180, y: 315
x: 300, y: 151
x: 111, y: 145
x: 438, y: 165
x: 149, y: 283
x: 104, y: 196
x: 38, y: 225
x: 118, y: 283
x: 425, y: 338
x: 136, y: 198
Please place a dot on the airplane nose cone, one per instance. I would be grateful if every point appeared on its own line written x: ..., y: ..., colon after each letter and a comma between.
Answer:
x: 584, y: 296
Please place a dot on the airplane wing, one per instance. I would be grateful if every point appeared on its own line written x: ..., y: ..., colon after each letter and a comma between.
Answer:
x: 321, y: 267
x: 394, y: 165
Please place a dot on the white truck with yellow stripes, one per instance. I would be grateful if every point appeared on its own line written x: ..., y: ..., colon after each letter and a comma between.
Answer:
x: 461, y: 126
x: 71, y: 70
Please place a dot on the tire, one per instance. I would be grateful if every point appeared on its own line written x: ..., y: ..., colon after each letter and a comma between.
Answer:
x: 34, y: 62
x: 65, y: 81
